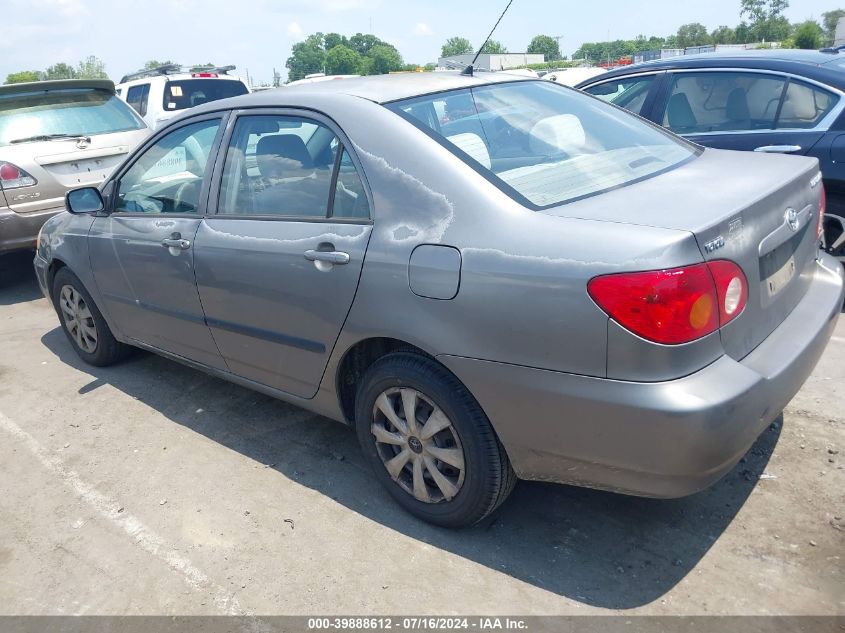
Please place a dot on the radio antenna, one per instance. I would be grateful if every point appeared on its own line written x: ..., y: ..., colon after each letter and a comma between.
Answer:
x: 468, y: 70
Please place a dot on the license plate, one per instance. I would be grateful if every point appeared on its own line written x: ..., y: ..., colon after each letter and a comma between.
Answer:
x: 780, y: 279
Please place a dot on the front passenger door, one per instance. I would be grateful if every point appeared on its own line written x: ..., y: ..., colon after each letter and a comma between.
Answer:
x: 142, y: 253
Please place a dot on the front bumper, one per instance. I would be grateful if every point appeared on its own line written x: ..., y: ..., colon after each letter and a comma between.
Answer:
x: 19, y: 231
x: 666, y: 439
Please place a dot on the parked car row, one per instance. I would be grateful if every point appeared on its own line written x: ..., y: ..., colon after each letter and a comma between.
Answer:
x: 489, y: 277
x: 58, y: 135
x: 54, y: 136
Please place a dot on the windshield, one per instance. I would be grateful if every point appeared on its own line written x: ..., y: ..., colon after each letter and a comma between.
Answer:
x: 545, y: 144
x: 74, y: 112
x: 187, y: 93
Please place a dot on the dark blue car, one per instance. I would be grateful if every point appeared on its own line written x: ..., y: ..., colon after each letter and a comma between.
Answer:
x: 786, y: 101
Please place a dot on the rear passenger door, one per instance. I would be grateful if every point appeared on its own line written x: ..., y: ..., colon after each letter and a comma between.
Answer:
x: 277, y: 265
x: 742, y: 110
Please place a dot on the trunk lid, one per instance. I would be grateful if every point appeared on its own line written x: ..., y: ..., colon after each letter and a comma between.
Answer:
x: 759, y: 211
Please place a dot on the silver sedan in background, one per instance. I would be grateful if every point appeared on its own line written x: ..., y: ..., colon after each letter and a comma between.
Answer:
x: 489, y: 277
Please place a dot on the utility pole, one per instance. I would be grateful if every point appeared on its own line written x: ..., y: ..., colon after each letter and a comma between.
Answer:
x: 557, y: 38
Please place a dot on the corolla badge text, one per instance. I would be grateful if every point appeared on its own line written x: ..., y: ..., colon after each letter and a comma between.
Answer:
x: 714, y: 245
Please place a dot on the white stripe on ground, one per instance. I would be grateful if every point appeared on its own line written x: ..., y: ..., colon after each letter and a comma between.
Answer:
x: 837, y: 339
x: 140, y: 534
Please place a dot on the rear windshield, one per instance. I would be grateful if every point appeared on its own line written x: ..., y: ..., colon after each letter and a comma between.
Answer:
x: 72, y: 112
x: 187, y: 93
x: 545, y: 144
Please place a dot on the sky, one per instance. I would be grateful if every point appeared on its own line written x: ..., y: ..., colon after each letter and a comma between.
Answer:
x: 257, y: 35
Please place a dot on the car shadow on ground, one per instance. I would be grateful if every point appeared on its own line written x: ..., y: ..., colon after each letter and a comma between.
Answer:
x: 17, y: 278
x: 595, y: 547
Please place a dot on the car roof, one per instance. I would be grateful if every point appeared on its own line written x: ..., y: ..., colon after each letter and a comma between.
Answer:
x: 825, y: 67
x: 376, y: 88
x: 57, y: 84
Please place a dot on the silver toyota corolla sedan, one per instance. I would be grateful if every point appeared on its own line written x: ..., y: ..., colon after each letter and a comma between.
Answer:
x: 489, y: 277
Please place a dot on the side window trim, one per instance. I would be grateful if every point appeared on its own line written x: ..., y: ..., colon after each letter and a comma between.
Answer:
x: 114, y: 182
x: 216, y: 179
x: 335, y: 173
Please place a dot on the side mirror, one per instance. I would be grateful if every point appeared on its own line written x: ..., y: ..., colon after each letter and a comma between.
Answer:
x: 84, y: 200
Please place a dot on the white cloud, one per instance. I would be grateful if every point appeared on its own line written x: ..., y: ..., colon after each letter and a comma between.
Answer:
x: 294, y: 30
x: 422, y: 30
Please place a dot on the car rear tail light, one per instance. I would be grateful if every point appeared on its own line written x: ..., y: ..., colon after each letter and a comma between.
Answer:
x: 822, y: 210
x: 673, y: 306
x: 12, y: 177
x: 203, y: 74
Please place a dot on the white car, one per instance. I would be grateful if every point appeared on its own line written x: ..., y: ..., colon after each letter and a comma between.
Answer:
x: 573, y: 76
x: 161, y: 93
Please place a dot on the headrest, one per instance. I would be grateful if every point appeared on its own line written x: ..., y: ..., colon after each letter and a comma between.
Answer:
x: 737, y: 106
x: 556, y: 134
x: 679, y: 112
x: 288, y: 146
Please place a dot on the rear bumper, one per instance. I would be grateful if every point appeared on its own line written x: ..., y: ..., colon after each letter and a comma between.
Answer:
x: 19, y: 231
x: 666, y: 439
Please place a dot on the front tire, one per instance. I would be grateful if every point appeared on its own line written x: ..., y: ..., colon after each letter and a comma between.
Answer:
x: 83, y: 323
x: 429, y: 443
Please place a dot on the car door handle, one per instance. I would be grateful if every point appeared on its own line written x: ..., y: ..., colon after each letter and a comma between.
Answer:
x: 176, y: 241
x: 332, y: 257
x: 778, y: 149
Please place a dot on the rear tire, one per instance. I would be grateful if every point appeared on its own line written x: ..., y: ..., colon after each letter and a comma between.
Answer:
x: 447, y: 467
x: 83, y: 323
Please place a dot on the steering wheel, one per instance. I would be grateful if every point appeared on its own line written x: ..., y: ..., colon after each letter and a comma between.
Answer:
x: 179, y: 196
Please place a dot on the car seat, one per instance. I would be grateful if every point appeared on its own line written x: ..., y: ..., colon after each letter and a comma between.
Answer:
x: 679, y: 114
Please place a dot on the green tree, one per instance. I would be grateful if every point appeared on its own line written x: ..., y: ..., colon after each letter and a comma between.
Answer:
x: 307, y: 57
x: 808, y: 35
x: 60, y: 71
x: 91, y: 68
x: 363, y: 43
x: 767, y: 22
x: 24, y: 76
x: 342, y: 60
x: 742, y: 33
x: 546, y: 45
x: 154, y: 63
x: 694, y: 34
x: 494, y: 48
x: 455, y: 46
x: 829, y: 20
x: 723, y: 35
x: 330, y: 40
x: 384, y: 58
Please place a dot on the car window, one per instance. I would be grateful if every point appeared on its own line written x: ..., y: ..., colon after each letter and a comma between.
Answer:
x: 26, y: 116
x: 350, y: 199
x: 168, y: 176
x: 722, y: 101
x: 187, y: 93
x: 137, y: 97
x: 804, y: 106
x: 627, y: 93
x: 545, y: 144
x: 278, y: 165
